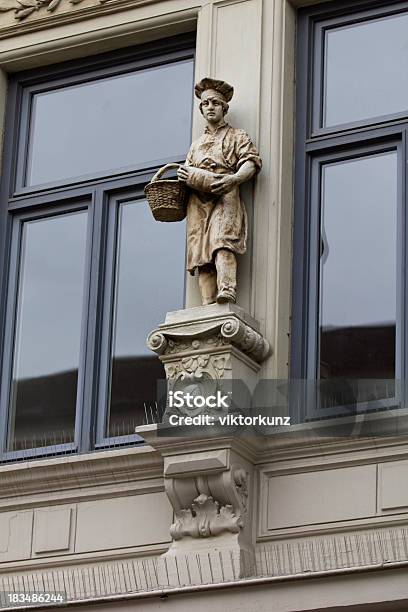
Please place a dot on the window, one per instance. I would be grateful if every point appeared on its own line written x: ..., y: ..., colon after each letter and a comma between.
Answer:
x: 350, y: 255
x: 86, y: 271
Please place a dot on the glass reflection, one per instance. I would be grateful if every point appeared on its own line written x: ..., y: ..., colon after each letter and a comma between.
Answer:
x: 365, y: 70
x: 150, y: 273
x: 358, y: 268
x: 110, y: 123
x: 48, y: 331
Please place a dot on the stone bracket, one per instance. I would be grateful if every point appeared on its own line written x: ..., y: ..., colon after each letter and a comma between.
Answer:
x: 208, y: 492
x: 209, y: 483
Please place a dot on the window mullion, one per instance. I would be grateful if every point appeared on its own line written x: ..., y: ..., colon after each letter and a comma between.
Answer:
x: 108, y: 297
x: 402, y: 333
x: 9, y: 302
x: 92, y: 333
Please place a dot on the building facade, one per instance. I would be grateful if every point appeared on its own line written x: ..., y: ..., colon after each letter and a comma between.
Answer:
x: 95, y: 96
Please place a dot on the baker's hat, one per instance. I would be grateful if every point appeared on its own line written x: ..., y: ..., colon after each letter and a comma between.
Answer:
x: 226, y: 90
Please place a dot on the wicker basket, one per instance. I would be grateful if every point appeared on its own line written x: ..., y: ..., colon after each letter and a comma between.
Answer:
x: 167, y: 197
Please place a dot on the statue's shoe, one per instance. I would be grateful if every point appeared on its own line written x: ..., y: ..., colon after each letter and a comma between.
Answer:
x: 226, y: 295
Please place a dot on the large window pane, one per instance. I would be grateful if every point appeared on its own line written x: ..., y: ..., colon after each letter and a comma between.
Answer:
x: 358, y: 268
x: 111, y: 123
x: 150, y: 272
x: 48, y: 331
x: 365, y: 70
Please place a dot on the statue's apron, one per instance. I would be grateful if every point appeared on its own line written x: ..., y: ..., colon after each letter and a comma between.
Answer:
x: 214, y: 222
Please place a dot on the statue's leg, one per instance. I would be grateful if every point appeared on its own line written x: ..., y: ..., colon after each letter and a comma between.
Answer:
x: 207, y: 281
x: 226, y: 264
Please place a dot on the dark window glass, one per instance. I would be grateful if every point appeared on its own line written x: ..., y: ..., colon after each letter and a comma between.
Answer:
x: 350, y: 287
x: 365, y: 72
x: 150, y: 273
x: 358, y: 268
x: 110, y: 123
x: 48, y: 331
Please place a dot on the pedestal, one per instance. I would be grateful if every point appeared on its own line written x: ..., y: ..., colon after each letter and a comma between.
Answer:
x: 208, y: 479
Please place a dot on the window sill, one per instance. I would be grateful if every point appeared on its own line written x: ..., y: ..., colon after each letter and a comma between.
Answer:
x: 373, y: 432
x: 80, y: 477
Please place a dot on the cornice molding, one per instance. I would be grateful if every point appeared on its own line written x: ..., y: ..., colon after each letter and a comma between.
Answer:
x: 167, y: 446
x: 68, y: 474
x: 24, y: 8
x: 328, y: 452
x: 34, y: 15
x: 283, y: 452
x: 140, y: 469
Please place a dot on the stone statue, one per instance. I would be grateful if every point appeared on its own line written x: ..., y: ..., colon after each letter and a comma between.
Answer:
x: 217, y: 163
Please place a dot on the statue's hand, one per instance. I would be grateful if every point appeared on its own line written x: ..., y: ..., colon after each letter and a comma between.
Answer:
x: 223, y: 184
x: 196, y: 178
x: 183, y: 174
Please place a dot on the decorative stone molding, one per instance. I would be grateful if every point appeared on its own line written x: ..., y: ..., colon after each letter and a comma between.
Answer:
x: 79, y: 477
x: 202, y: 348
x: 207, y: 328
x: 308, y: 558
x: 205, y: 518
x: 198, y: 367
x: 24, y: 8
x: 221, y: 505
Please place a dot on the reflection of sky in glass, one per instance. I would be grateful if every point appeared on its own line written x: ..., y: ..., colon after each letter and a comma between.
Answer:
x: 150, y: 276
x: 359, y: 230
x: 111, y: 123
x: 50, y: 295
x: 366, y: 70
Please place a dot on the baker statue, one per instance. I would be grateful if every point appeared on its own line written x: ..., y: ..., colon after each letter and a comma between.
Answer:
x: 217, y: 163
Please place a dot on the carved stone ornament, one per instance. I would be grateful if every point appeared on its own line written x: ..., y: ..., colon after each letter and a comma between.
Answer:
x: 203, y: 348
x: 220, y: 507
x: 24, y: 8
x: 205, y: 518
x: 212, y: 334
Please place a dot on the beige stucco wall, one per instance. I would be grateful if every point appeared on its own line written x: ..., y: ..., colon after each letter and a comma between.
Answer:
x: 108, y: 507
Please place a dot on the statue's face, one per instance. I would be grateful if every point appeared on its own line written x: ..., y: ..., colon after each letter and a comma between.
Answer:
x: 212, y: 106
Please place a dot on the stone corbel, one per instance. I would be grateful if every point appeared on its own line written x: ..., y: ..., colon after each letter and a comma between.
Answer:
x: 24, y: 8
x: 206, y: 503
x: 209, y: 483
